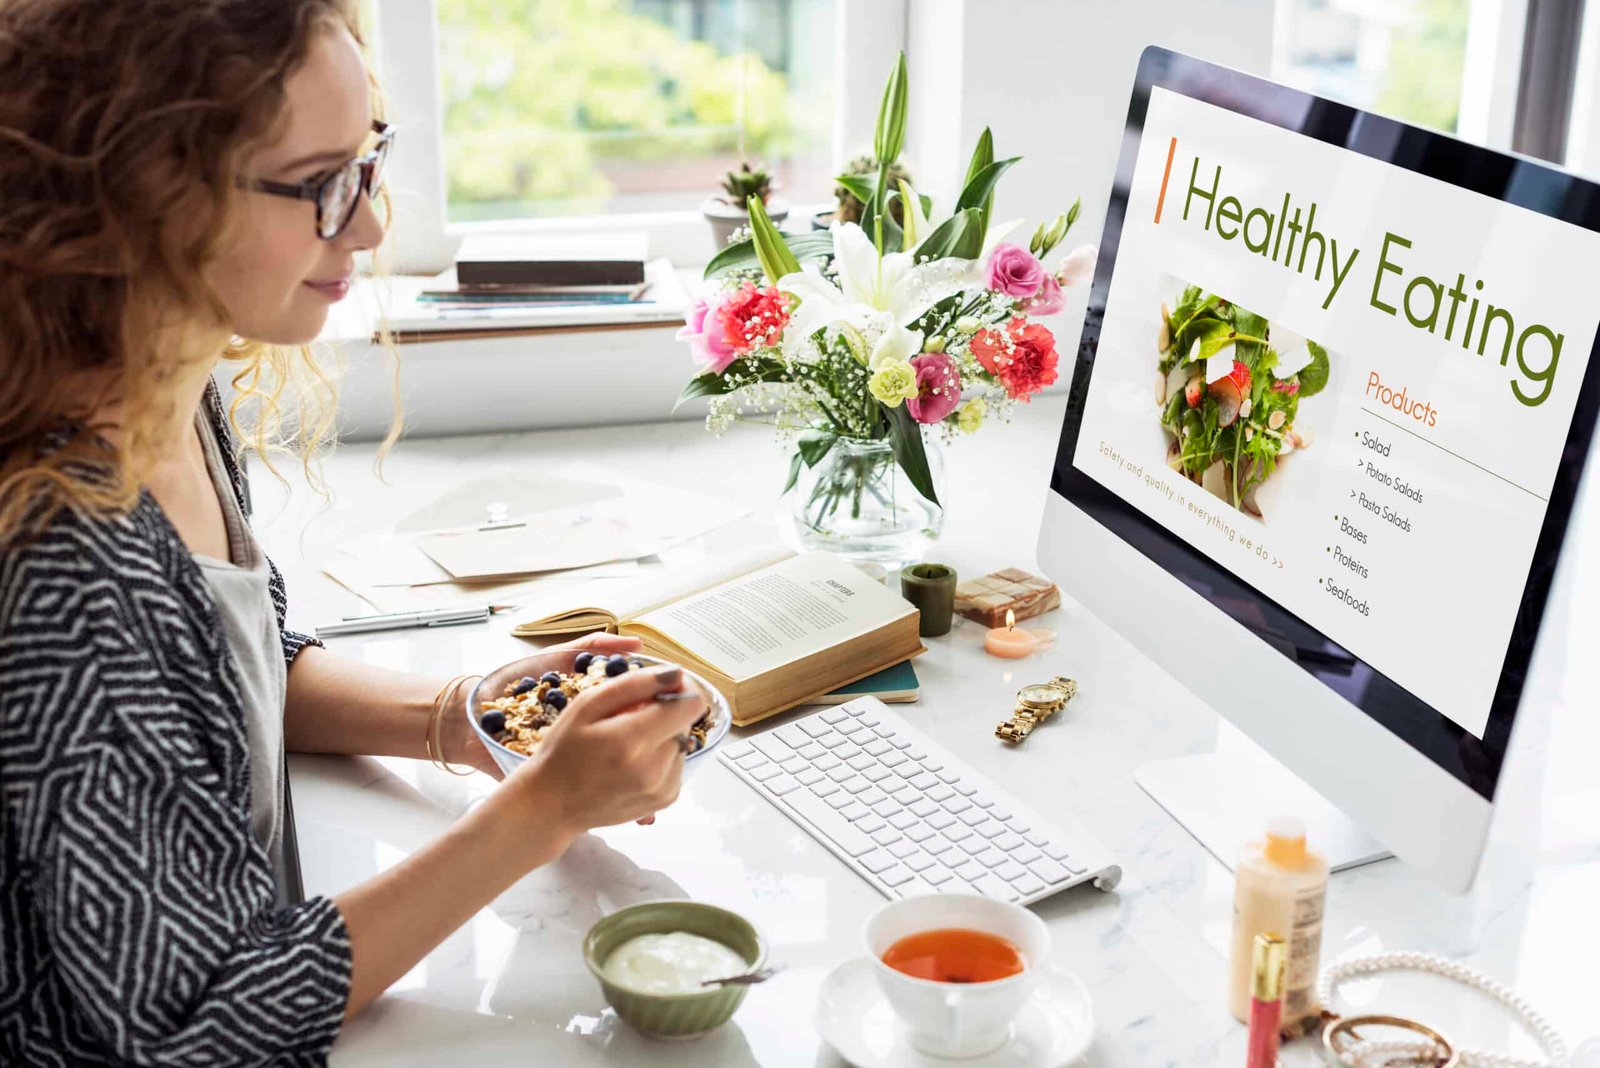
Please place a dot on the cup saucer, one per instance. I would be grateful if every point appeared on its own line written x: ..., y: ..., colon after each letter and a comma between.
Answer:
x: 1052, y: 1030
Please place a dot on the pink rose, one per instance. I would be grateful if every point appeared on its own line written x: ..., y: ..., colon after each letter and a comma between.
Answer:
x: 1078, y: 266
x: 710, y: 346
x: 1014, y: 271
x: 938, y: 387
x: 1048, y: 300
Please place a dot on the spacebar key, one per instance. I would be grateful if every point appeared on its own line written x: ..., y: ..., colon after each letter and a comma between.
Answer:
x: 833, y: 826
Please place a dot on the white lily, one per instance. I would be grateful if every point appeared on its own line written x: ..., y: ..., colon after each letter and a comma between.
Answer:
x: 879, y: 296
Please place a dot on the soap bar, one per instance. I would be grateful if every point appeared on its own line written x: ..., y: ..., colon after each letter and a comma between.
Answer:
x: 985, y: 600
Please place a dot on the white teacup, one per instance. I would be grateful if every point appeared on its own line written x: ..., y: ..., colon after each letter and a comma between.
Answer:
x: 957, y: 1019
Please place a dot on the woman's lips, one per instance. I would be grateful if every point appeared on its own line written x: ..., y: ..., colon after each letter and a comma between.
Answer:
x: 334, y: 290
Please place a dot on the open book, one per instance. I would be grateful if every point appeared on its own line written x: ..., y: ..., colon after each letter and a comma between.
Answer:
x: 770, y: 636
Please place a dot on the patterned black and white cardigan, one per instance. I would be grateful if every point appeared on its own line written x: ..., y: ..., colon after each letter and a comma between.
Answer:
x: 137, y: 915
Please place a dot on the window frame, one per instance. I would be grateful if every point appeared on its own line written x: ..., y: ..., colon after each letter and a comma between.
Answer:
x: 405, y: 46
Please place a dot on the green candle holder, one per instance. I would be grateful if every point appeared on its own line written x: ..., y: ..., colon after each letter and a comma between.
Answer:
x: 932, y: 588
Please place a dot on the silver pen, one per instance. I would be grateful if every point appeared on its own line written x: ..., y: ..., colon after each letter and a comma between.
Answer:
x: 435, y: 617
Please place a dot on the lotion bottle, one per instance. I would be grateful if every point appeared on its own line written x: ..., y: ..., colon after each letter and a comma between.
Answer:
x: 1280, y: 885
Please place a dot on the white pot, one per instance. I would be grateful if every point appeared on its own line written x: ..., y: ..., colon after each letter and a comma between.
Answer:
x: 725, y: 218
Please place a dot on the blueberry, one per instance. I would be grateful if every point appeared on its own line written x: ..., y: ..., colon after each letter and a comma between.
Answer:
x: 523, y: 685
x: 556, y: 700
x: 552, y: 677
x: 616, y: 666
x: 493, y: 721
x: 581, y: 664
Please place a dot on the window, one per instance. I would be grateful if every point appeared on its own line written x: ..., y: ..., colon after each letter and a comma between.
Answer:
x: 555, y: 108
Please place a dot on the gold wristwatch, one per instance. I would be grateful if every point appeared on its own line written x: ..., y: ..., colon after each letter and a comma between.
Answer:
x: 1035, y: 704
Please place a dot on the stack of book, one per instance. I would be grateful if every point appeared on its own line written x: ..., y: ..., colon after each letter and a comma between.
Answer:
x: 502, y: 272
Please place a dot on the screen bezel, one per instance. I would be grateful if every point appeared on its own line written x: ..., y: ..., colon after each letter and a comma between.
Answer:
x: 1510, y: 179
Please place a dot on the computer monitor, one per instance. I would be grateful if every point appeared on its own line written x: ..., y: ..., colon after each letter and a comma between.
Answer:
x: 1334, y: 396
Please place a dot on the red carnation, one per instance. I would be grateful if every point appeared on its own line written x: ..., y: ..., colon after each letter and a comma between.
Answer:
x: 753, y: 317
x: 1023, y: 356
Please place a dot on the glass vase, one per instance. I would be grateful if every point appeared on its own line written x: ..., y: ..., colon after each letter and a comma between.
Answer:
x: 857, y: 502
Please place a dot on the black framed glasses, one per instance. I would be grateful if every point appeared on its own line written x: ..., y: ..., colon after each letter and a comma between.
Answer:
x: 336, y: 192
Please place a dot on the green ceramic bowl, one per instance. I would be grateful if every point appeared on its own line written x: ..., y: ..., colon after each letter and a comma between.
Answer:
x: 674, y: 1015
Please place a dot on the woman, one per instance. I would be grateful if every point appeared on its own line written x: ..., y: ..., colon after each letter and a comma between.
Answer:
x: 183, y: 181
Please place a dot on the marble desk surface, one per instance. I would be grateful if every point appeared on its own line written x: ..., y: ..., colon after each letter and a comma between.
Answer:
x: 510, y: 987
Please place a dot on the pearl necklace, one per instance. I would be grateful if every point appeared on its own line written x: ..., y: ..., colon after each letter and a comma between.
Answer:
x: 1371, y: 1053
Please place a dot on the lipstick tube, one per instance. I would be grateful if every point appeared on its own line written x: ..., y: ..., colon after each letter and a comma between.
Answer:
x: 1267, y: 960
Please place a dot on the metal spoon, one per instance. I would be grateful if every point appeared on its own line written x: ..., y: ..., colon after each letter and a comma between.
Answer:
x: 760, y: 975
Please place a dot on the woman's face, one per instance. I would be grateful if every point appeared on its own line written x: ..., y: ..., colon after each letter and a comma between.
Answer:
x: 278, y: 277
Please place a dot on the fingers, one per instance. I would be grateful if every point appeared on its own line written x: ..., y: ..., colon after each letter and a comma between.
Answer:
x: 624, y: 692
x: 604, y: 642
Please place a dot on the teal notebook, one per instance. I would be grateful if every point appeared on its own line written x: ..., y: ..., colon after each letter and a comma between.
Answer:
x: 892, y: 685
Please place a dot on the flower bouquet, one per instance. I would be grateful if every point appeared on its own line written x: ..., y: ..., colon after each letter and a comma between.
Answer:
x: 853, y: 341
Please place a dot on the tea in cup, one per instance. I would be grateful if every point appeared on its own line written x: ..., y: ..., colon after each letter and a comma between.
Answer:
x: 956, y: 968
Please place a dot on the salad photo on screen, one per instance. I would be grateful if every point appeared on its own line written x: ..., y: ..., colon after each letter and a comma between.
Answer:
x: 1229, y: 387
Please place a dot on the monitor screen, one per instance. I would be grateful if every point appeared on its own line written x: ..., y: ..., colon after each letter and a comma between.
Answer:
x: 1338, y: 377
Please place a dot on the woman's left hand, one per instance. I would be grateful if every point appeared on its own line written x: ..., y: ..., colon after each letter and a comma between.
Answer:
x: 461, y: 744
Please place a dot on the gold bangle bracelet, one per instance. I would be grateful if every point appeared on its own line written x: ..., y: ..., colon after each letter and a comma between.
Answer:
x: 431, y: 741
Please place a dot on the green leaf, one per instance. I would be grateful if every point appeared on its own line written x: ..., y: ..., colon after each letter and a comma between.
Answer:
x: 890, y: 134
x: 979, y: 190
x: 982, y: 156
x: 794, y: 473
x: 864, y: 187
x: 905, y: 438
x: 1212, y: 334
x: 776, y: 259
x: 814, y: 445
x: 706, y: 385
x: 1314, y: 375
x: 807, y: 248
x: 960, y: 236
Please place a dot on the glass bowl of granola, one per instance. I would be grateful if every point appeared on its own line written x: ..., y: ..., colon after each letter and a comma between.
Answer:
x: 513, y: 706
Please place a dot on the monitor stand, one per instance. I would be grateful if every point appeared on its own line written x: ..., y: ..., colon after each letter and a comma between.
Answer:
x: 1225, y: 798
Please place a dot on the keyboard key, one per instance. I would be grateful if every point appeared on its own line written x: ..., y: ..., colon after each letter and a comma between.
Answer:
x: 832, y: 740
x: 877, y: 861
x: 849, y: 751
x: 811, y: 750
x: 981, y: 801
x: 1027, y: 885
x: 824, y: 786
x: 907, y: 771
x: 870, y: 822
x: 854, y: 811
x: 989, y: 886
x: 1000, y: 814
x: 901, y: 743
x: 883, y: 732
x: 1018, y: 826
x: 960, y: 831
x: 905, y: 794
x: 887, y: 807
x: 826, y: 762
x: 923, y: 808
x: 1035, y: 838
x: 736, y: 750
x: 938, y: 845
x: 972, y: 845
x: 915, y: 754
x: 902, y: 820
x: 793, y: 736
x: 1026, y: 854
x: 854, y: 708
x: 833, y: 715
x: 990, y: 829
x: 1008, y: 841
x: 1073, y: 866
x: 878, y: 747
x: 919, y: 861
x: 814, y: 727
x: 751, y: 759
x: 795, y: 765
x: 1011, y: 871
x: 893, y: 759
x: 930, y: 764
x: 869, y: 719
x: 895, y: 876
x: 850, y: 728
x: 774, y: 747
x: 766, y: 771
x: 965, y: 789
x: 940, y: 793
x: 940, y: 820
x: 956, y: 805
x: 946, y: 775
x: 992, y: 858
x: 1054, y: 852
x: 1048, y: 870
x: 884, y: 835
x: 838, y: 800
x: 809, y: 776
x: 971, y: 870
x: 855, y: 784
x: 920, y: 832
x: 861, y: 761
x: 832, y: 826
x: 902, y: 849
x: 783, y: 784
x: 877, y: 774
x: 840, y: 773
x: 971, y: 817
x: 925, y: 781
x: 871, y: 796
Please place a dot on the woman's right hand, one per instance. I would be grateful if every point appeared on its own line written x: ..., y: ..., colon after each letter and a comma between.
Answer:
x: 613, y: 755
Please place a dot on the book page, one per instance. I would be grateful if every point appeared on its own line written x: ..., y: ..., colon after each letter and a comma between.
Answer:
x: 777, y: 615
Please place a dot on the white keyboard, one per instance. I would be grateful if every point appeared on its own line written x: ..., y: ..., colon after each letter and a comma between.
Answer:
x: 907, y: 815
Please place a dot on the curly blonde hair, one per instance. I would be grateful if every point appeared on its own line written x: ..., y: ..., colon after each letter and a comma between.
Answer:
x: 121, y: 126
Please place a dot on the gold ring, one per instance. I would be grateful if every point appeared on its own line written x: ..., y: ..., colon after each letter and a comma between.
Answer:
x: 1345, y: 1028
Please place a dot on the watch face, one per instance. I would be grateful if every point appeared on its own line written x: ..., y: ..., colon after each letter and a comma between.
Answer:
x: 1040, y: 694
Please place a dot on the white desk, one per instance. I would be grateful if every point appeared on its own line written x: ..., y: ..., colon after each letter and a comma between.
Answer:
x: 510, y: 988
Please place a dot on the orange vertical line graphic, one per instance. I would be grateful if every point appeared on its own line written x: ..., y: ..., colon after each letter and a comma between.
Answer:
x: 1171, y: 151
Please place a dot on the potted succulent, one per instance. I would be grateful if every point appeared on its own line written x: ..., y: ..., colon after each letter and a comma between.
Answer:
x: 730, y: 212
x: 863, y: 168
